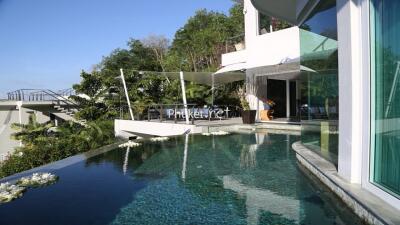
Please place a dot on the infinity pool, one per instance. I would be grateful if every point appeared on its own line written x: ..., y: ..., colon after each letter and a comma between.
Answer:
x: 233, y: 179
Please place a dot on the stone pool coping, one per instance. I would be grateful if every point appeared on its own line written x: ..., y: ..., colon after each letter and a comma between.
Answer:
x: 292, y: 129
x: 366, y: 205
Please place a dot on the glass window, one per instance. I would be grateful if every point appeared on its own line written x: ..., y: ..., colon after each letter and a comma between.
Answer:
x: 319, y: 81
x: 385, y: 97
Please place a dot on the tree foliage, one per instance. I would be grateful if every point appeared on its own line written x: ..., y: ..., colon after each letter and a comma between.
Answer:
x: 196, y: 47
x: 43, y: 144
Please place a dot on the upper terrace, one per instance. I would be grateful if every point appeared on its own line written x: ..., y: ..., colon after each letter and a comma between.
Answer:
x: 264, y: 43
x: 267, y: 49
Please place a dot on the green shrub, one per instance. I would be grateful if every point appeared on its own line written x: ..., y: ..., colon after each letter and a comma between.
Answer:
x: 44, y: 148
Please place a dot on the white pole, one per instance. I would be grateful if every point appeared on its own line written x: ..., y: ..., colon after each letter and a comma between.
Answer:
x: 125, y: 166
x: 184, y: 97
x: 185, y: 155
x: 19, y: 105
x: 212, y: 89
x: 287, y: 99
x: 20, y: 114
x: 126, y: 94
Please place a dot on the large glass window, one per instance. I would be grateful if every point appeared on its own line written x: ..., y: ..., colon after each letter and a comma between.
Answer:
x: 385, y: 110
x: 319, y: 81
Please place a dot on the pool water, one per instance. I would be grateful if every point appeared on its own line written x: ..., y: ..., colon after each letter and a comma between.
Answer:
x: 234, y: 179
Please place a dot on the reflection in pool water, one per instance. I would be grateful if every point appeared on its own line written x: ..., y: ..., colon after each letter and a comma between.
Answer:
x: 233, y: 179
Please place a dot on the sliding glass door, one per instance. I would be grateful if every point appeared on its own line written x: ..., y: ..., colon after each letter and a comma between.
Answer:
x: 385, y: 95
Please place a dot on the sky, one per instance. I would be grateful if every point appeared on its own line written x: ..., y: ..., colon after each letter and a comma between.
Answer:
x: 46, y: 43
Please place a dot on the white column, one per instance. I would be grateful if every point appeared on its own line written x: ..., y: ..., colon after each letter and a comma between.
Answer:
x: 350, y: 90
x: 298, y: 96
x: 251, y: 22
x: 19, y: 106
x: 184, y: 97
x: 287, y: 98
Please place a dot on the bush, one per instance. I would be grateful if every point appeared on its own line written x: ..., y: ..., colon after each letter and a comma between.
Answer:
x: 70, y: 140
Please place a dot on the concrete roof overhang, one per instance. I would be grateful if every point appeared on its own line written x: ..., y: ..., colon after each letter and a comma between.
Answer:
x: 292, y: 11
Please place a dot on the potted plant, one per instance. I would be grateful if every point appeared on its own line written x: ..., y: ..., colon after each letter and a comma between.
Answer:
x: 248, y: 115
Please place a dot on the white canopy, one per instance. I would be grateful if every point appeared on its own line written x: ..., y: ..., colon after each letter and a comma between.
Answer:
x: 232, y: 68
x: 207, y: 78
x: 276, y: 70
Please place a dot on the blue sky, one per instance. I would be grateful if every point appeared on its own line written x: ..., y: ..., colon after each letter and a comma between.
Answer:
x: 46, y: 43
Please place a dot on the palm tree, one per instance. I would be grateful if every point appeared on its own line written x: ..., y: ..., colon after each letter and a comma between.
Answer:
x: 31, y: 132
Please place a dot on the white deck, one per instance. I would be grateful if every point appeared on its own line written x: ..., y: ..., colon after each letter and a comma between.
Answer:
x: 128, y: 128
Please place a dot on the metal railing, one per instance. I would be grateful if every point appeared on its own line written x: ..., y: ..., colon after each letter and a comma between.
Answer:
x: 66, y: 92
x: 44, y: 95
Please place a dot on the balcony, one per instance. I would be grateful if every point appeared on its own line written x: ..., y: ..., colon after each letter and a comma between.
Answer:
x: 235, y: 51
x: 274, y: 48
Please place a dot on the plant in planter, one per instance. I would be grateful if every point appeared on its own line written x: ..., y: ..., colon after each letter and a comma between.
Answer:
x: 248, y: 115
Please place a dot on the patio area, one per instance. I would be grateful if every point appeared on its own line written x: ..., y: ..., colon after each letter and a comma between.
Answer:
x: 134, y: 128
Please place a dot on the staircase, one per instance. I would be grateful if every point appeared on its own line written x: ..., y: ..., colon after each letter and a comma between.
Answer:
x: 66, y: 113
x: 65, y: 108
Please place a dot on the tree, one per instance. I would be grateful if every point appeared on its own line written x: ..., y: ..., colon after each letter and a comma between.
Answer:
x: 201, y: 41
x: 236, y: 18
x: 91, y: 93
x: 30, y: 132
x: 197, y: 47
x: 159, y: 44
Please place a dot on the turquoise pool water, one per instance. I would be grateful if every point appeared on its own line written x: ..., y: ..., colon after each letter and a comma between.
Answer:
x: 233, y: 179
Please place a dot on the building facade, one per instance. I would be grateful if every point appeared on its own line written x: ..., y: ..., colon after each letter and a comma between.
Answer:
x: 350, y: 84
x: 272, y: 71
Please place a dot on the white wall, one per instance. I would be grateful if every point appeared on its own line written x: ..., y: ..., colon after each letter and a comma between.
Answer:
x: 266, y: 49
x: 350, y: 94
x: 234, y: 58
x: 273, y: 48
x: 270, y: 48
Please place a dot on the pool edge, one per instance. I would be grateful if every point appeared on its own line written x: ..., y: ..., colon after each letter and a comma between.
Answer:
x: 364, y: 204
x: 62, y: 163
